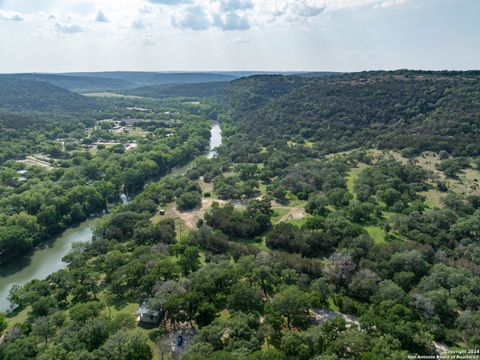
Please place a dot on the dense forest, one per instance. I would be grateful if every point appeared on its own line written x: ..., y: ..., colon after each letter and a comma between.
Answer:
x: 189, y: 91
x: 410, y: 111
x: 19, y: 94
x: 76, y: 83
x: 340, y: 219
x: 140, y: 78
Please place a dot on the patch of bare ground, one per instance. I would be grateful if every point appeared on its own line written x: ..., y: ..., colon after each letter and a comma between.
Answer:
x: 294, y: 214
x: 429, y: 162
x: 190, y: 218
x: 289, y: 212
x: 467, y: 183
x: 206, y: 187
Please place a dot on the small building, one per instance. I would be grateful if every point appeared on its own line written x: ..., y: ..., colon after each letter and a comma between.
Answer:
x: 22, y: 172
x: 320, y: 316
x: 162, y: 212
x: 147, y: 315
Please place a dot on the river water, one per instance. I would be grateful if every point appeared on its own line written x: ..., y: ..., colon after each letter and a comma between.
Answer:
x: 48, y: 259
x: 215, y: 140
x: 43, y: 261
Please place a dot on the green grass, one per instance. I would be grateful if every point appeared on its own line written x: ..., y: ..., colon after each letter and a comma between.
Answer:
x: 387, y: 214
x: 332, y: 306
x: 297, y: 222
x: 352, y: 176
x: 433, y: 198
x: 224, y: 314
x: 263, y: 188
x: 376, y: 233
x: 278, y: 213
x: 18, y: 318
x: 202, y: 258
x: 262, y: 245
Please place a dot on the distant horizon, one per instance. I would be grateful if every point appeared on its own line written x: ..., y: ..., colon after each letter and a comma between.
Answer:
x: 228, y: 71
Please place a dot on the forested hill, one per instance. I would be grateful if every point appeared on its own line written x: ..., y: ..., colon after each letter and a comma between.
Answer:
x: 80, y: 84
x: 406, y: 110
x: 140, y: 78
x: 192, y: 91
x: 27, y: 95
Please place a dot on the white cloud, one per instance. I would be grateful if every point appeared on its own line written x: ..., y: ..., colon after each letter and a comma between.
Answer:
x: 124, y: 16
x: 194, y: 18
x: 170, y: 2
x: 231, y: 22
x: 11, y: 16
x: 69, y: 28
x: 233, y: 5
x: 307, y: 10
x: 389, y: 3
x: 138, y: 24
x: 101, y: 17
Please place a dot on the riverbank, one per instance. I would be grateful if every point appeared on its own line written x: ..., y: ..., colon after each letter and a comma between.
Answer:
x: 48, y: 259
x: 43, y: 262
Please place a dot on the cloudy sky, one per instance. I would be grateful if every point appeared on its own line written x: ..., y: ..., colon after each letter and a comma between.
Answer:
x: 186, y: 35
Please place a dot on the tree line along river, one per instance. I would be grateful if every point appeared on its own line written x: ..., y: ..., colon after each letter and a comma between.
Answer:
x: 48, y: 259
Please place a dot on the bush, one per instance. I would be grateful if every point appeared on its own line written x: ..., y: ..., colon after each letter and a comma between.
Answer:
x: 188, y: 201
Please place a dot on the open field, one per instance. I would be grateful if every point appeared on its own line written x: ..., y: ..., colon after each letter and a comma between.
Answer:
x: 113, y: 95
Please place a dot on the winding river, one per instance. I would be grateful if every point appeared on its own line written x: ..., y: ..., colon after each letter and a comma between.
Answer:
x: 48, y: 259
x: 43, y: 262
x: 215, y: 140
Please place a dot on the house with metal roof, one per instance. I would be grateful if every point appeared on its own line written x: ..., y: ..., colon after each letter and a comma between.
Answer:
x: 146, y: 314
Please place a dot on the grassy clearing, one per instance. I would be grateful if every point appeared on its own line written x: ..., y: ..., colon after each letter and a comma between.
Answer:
x: 376, y: 233
x: 279, y: 213
x: 297, y: 222
x: 262, y: 245
x: 429, y: 162
x: 263, y: 188
x: 139, y: 132
x: 113, y: 95
x: 332, y: 306
x: 169, y: 214
x: 352, y: 176
x: 18, y: 318
x: 433, y: 198
x: 306, y: 143
x: 468, y: 182
x: 224, y: 314
x: 206, y: 187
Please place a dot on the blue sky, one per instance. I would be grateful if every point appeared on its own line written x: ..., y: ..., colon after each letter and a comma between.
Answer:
x: 204, y: 35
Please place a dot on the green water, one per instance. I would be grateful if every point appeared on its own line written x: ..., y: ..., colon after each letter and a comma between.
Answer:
x: 42, y: 262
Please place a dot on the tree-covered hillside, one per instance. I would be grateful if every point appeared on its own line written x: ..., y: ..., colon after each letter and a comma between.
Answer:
x: 27, y: 95
x: 80, y: 84
x: 410, y: 111
x: 190, y: 91
x: 141, y: 78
